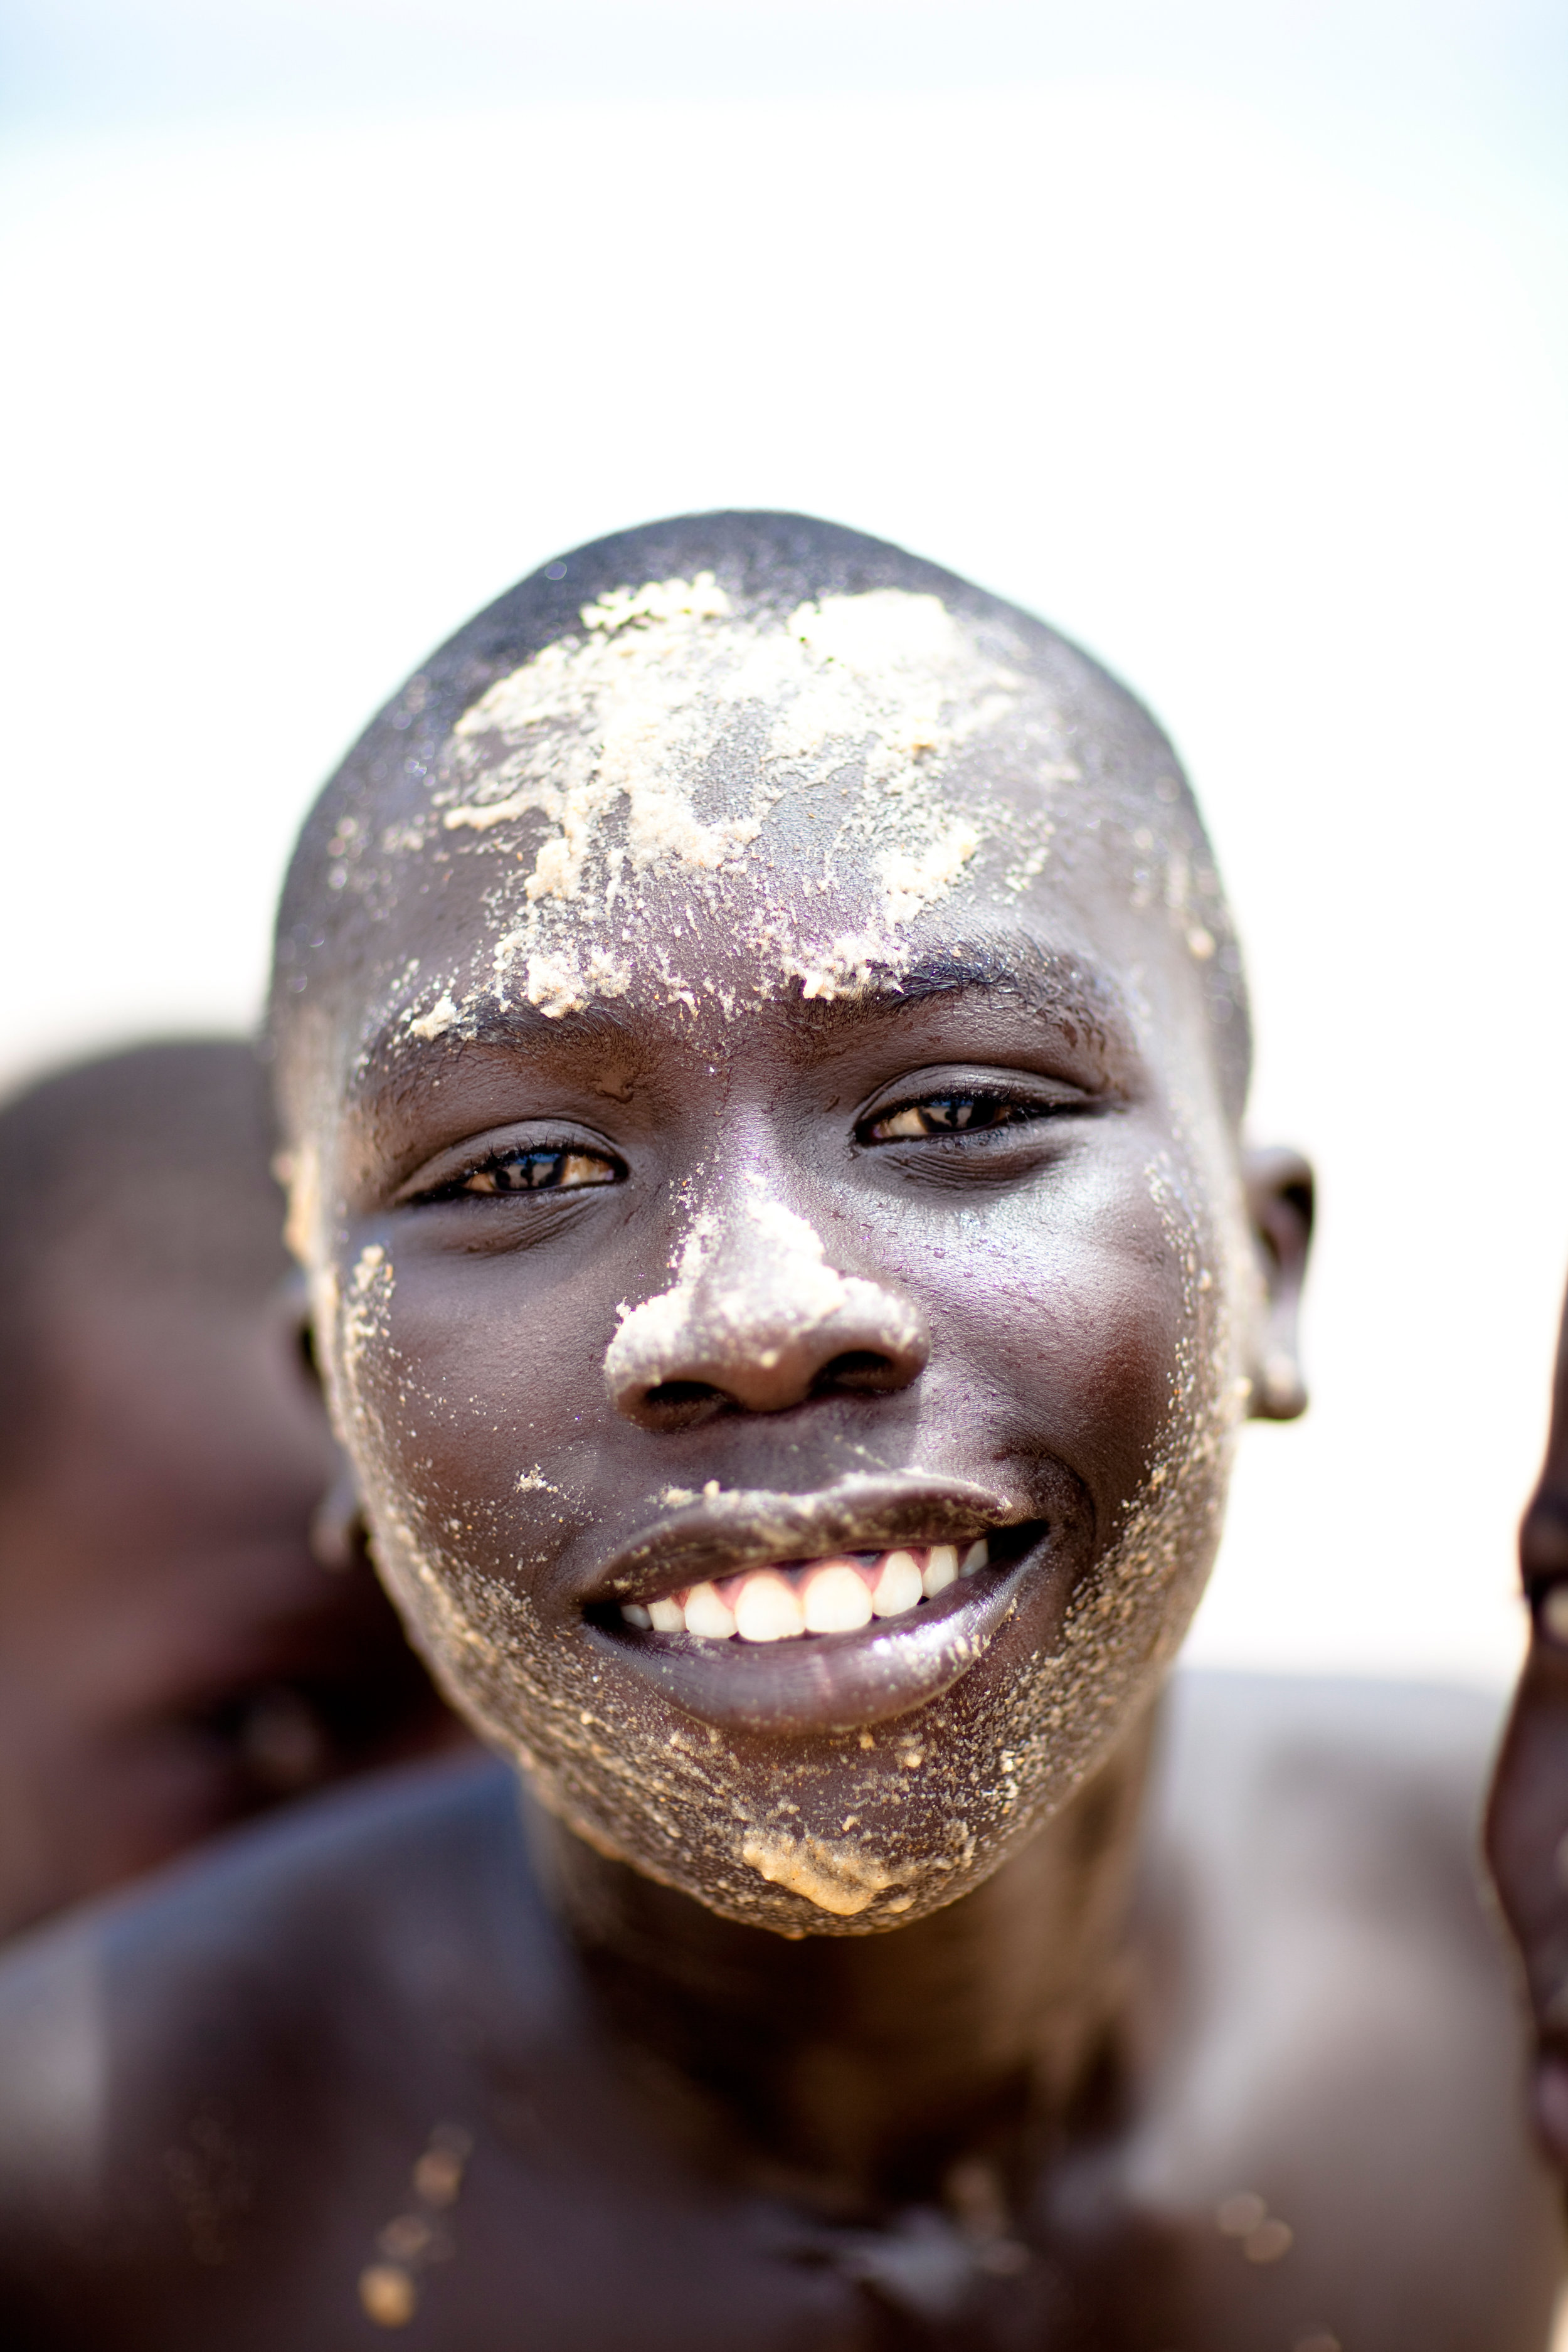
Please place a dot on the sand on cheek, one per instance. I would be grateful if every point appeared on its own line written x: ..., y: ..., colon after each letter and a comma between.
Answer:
x: 842, y: 1834
x: 764, y: 1842
x: 607, y: 738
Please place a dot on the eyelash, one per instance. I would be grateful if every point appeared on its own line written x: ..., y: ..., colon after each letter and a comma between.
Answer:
x: 1014, y: 1113
x: 563, y: 1168
x: 542, y: 1168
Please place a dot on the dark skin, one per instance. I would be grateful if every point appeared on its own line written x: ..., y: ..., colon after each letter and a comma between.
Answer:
x: 176, y: 1653
x: 1528, y: 1813
x: 868, y: 1989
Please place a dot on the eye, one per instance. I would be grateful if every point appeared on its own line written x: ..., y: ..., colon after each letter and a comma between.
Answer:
x: 951, y: 1114
x: 534, y: 1168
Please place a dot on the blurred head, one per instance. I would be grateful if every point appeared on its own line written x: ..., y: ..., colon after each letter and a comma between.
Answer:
x: 763, y: 1044
x: 171, y: 1655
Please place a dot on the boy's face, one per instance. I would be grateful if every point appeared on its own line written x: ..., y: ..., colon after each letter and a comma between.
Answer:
x: 789, y: 1134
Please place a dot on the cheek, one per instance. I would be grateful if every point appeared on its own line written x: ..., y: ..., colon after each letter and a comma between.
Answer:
x: 470, y: 1385
x: 1068, y: 1324
x: 1064, y: 1318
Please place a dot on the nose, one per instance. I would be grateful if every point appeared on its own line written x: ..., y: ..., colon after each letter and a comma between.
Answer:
x: 758, y: 1321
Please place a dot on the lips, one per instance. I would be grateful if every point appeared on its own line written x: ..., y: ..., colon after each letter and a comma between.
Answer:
x: 788, y: 1614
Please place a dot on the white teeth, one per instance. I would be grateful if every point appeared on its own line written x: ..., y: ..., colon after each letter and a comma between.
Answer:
x: 835, y: 1599
x: 822, y: 1596
x: 708, y: 1614
x: 941, y: 1569
x: 767, y: 1609
x: 899, y: 1586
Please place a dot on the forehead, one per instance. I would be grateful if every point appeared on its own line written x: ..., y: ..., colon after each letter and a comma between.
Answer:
x: 685, y: 798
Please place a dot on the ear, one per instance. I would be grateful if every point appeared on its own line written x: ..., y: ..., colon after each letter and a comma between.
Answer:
x: 338, y: 1537
x: 1279, y: 1199
x: 1544, y: 1537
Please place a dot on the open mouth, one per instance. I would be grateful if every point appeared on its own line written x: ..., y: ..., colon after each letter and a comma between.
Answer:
x: 784, y: 1601
x: 787, y: 1615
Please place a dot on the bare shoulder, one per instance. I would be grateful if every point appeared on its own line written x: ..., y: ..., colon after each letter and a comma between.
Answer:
x: 189, y: 2068
x: 1337, y: 2022
x: 1362, y: 1796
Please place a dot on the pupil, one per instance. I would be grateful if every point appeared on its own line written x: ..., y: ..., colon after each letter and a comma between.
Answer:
x: 531, y: 1171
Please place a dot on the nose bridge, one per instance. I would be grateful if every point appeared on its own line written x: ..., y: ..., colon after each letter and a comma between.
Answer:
x: 757, y: 1313
x: 768, y: 1274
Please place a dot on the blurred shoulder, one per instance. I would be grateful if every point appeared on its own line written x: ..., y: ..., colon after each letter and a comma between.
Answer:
x: 1234, y: 1743
x: 1302, y: 1806
x: 1379, y: 1717
x: 157, y: 2048
x: 1335, y: 2015
x: 1330, y: 1789
x: 349, y: 1871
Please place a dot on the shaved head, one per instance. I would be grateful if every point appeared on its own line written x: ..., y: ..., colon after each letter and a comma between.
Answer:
x: 674, y: 700
x: 707, y: 873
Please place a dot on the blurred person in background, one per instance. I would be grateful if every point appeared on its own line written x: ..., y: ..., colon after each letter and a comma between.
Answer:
x: 1527, y: 1838
x: 188, y: 1633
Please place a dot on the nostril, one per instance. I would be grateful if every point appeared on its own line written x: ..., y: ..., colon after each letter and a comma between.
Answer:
x: 680, y: 1392
x: 756, y: 1347
x: 681, y: 1404
x: 859, y: 1371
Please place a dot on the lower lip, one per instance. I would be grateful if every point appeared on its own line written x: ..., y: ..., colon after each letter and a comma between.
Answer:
x: 831, y: 1682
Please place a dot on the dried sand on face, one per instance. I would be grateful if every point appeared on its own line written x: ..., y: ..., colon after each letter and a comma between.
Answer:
x: 937, y: 1809
x: 625, y: 739
x: 766, y: 1269
x: 617, y: 748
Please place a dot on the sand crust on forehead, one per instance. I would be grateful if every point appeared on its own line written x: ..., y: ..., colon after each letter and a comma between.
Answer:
x: 613, y: 736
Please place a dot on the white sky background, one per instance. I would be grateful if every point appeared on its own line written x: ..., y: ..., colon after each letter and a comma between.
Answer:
x: 1229, y: 338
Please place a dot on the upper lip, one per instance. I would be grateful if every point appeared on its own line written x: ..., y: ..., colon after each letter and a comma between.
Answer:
x: 726, y: 1533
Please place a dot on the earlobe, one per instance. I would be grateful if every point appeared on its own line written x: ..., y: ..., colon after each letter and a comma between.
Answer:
x: 339, y: 1539
x: 1280, y: 1201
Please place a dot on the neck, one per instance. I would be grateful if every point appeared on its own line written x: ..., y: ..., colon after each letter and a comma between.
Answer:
x: 873, y: 2067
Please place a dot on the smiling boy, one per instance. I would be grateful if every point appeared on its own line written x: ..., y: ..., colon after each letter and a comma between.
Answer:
x: 762, y: 1045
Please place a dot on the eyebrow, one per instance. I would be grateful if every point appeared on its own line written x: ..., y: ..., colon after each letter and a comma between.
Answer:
x: 1013, y: 965
x: 1053, y: 983
x: 395, y: 1058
